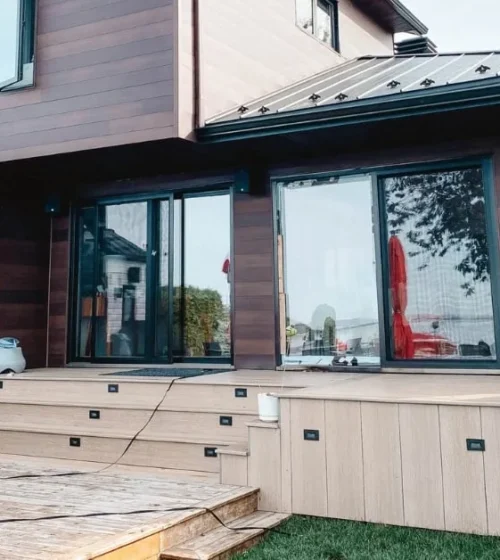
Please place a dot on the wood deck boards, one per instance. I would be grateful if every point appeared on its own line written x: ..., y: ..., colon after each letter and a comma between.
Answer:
x: 117, y: 490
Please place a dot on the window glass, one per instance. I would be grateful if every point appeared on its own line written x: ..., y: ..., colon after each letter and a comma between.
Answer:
x: 9, y: 41
x: 304, y: 10
x: 438, y: 266
x: 327, y: 272
x: 324, y: 21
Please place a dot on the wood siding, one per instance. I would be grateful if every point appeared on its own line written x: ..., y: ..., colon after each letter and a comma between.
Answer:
x: 251, y: 49
x: 58, y: 292
x: 254, y: 323
x: 104, y: 77
x: 24, y: 260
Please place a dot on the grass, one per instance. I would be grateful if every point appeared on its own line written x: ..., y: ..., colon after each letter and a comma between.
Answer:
x: 311, y: 538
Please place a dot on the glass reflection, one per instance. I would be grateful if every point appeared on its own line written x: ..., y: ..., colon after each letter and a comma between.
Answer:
x: 439, y: 268
x: 328, y: 266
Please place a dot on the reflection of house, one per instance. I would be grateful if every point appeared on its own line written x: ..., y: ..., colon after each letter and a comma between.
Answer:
x: 122, y: 293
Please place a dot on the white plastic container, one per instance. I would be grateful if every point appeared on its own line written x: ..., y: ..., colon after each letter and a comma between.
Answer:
x: 11, y: 356
x: 269, y: 410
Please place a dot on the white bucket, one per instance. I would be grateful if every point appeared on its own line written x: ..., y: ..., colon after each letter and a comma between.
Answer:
x: 268, y: 407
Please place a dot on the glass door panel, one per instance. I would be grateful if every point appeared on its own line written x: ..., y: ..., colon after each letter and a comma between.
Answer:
x: 163, y: 289
x: 203, y: 303
x: 120, y: 293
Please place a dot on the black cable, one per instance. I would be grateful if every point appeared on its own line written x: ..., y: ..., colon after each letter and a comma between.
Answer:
x: 140, y: 512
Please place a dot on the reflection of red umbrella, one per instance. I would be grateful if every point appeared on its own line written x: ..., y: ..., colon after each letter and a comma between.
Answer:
x: 401, y: 330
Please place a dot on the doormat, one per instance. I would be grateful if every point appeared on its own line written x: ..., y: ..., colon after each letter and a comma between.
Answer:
x: 166, y: 372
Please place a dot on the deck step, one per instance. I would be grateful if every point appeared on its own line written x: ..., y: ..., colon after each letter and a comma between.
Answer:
x: 221, y: 543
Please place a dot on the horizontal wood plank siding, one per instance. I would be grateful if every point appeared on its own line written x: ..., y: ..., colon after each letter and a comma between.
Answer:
x: 24, y: 260
x: 254, y: 329
x: 59, y: 291
x: 104, y: 77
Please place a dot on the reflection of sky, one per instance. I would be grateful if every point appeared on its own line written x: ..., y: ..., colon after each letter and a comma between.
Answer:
x: 8, y: 38
x: 207, y: 237
x: 330, y: 250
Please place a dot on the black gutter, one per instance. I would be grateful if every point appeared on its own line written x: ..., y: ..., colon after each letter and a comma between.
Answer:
x: 436, y: 100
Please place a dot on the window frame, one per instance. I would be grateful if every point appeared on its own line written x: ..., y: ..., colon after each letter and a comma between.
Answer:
x: 378, y: 175
x: 25, y: 48
x: 334, y: 16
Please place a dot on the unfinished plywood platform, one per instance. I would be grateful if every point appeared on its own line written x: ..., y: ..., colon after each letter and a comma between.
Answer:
x: 131, y: 518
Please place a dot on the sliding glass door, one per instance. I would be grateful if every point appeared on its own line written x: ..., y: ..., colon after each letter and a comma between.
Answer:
x: 152, y: 280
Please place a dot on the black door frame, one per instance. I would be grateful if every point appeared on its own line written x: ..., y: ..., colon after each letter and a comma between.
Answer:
x: 153, y: 225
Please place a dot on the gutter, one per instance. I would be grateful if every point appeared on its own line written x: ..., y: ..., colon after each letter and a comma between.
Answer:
x: 437, y: 100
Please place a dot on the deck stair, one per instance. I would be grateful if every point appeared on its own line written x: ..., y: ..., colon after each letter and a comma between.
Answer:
x: 94, y: 419
x: 222, y: 542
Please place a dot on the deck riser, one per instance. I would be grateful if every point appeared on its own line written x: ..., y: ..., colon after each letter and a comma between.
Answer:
x: 169, y: 455
x: 184, y: 396
x: 113, y: 421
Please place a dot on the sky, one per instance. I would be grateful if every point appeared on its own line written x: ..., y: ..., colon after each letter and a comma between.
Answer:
x: 460, y: 25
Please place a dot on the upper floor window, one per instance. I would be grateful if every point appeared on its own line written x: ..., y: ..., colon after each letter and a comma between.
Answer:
x: 17, y: 26
x: 320, y: 18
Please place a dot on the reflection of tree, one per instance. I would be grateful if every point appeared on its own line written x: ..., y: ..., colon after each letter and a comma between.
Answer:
x: 439, y: 213
x: 203, y: 313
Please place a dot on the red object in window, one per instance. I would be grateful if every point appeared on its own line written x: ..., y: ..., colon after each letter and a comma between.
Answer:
x: 226, y: 266
x: 402, y: 334
x: 432, y: 345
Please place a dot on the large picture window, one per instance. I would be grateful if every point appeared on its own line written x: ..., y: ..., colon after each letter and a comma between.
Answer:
x: 438, y: 266
x: 17, y: 27
x: 407, y: 276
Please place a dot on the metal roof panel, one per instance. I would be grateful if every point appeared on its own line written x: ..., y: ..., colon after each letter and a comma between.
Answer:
x: 371, y: 77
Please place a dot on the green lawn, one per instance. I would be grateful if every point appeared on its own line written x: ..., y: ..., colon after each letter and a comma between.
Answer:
x: 327, y: 539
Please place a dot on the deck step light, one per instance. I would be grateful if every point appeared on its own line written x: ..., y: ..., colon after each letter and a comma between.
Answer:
x: 210, y: 452
x: 482, y: 69
x: 226, y: 420
x: 427, y: 82
x: 240, y: 393
x: 341, y: 96
x: 311, y: 435
x: 113, y: 388
x: 74, y: 442
x: 475, y: 445
x: 94, y: 414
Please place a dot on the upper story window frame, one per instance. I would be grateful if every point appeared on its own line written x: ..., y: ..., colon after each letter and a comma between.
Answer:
x: 308, y: 14
x: 18, y: 31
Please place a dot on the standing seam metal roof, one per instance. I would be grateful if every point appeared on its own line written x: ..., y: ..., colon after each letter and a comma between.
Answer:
x: 372, y: 77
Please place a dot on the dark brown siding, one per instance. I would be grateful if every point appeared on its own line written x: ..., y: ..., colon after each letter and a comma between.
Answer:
x: 254, y: 328
x: 58, y: 292
x: 104, y: 77
x: 24, y: 263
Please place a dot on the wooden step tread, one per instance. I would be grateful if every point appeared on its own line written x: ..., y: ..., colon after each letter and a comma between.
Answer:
x: 219, y: 542
x: 103, y: 433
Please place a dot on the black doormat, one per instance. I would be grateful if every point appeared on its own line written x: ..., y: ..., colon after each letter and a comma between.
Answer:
x: 166, y: 372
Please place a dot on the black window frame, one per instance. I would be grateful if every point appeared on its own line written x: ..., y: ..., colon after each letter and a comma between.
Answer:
x: 24, y: 75
x: 379, y: 174
x: 334, y: 17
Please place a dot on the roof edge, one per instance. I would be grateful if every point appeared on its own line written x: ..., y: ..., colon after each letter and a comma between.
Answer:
x: 438, y: 100
x: 409, y: 16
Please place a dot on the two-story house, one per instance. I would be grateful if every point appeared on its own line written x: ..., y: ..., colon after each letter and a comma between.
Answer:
x: 221, y: 181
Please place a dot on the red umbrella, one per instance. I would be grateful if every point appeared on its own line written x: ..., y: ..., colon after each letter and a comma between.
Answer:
x: 401, y: 330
